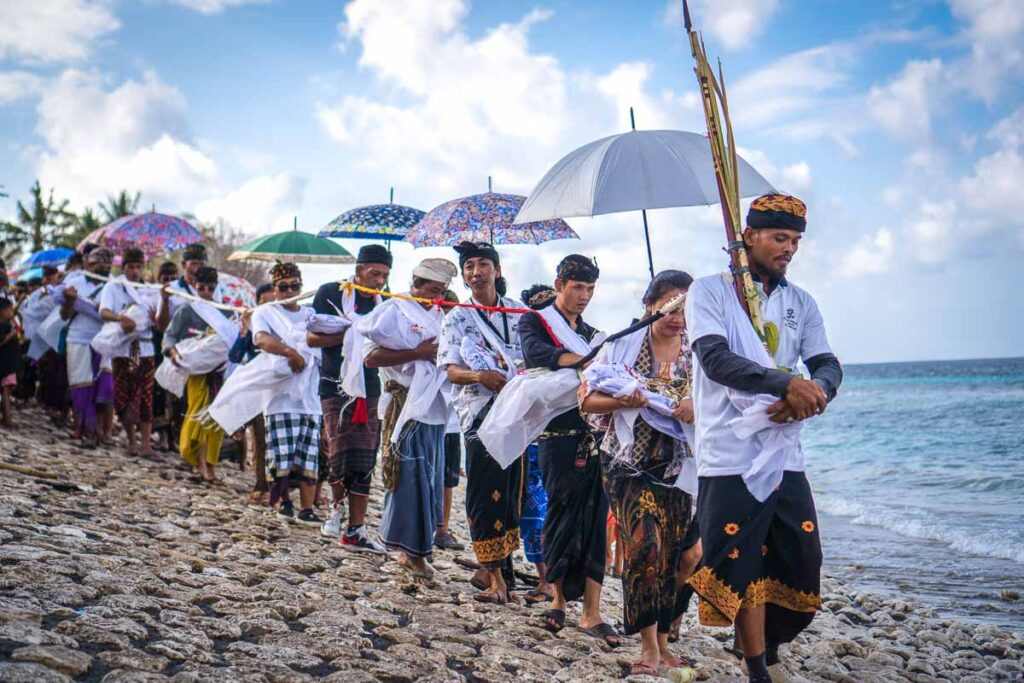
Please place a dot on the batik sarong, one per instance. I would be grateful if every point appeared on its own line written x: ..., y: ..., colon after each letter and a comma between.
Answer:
x: 133, y: 389
x: 759, y: 554
x: 574, y: 528
x: 414, y: 510
x: 535, y: 508
x: 652, y: 518
x: 493, y: 503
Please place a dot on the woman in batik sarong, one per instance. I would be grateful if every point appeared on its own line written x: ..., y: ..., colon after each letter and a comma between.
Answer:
x: 640, y: 478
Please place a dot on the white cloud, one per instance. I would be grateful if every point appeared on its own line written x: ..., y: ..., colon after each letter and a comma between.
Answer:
x: 873, y: 255
x: 903, y: 107
x: 15, y: 85
x: 930, y: 232
x: 994, y: 188
x: 1009, y: 132
x: 995, y: 31
x: 134, y: 136
x: 733, y: 23
x: 260, y: 205
x: 216, y: 6
x: 53, y: 30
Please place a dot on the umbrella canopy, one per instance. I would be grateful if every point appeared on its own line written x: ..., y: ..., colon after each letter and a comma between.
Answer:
x: 295, y: 246
x: 154, y: 233
x: 486, y: 217
x: 236, y: 291
x: 31, y: 274
x: 376, y: 222
x: 47, y: 257
x: 641, y: 169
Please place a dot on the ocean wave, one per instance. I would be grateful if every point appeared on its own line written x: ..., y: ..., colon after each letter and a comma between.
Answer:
x: 973, y: 542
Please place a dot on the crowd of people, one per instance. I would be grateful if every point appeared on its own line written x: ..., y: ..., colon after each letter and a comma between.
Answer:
x: 590, y: 451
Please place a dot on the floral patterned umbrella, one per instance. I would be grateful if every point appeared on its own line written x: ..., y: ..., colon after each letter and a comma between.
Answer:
x: 154, y: 233
x: 377, y: 222
x: 484, y: 217
x: 235, y: 290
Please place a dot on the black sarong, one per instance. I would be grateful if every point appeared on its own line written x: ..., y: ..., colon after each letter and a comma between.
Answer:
x: 494, y: 501
x: 759, y: 554
x: 573, y: 538
x: 53, y: 384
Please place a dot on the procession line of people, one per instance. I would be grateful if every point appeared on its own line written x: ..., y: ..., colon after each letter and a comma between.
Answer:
x: 680, y: 434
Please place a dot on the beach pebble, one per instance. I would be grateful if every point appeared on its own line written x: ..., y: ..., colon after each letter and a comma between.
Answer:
x: 920, y: 665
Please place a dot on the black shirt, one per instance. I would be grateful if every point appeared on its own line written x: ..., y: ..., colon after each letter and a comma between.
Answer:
x: 539, y: 351
x: 10, y: 353
x: 330, y: 363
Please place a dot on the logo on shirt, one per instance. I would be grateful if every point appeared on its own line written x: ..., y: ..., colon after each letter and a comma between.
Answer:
x: 791, y: 322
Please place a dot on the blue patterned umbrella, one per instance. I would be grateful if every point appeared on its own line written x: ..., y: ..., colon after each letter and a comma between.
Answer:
x: 484, y: 217
x: 47, y: 257
x: 377, y: 222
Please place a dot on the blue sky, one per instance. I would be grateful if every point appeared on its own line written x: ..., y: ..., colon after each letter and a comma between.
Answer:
x: 901, y: 123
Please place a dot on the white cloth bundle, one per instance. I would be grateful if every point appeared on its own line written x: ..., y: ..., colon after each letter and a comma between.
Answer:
x: 113, y: 342
x: 403, y: 325
x: 611, y: 373
x: 533, y: 398
x: 775, y: 440
x: 325, y: 323
x: 36, y: 311
x: 197, y: 356
x: 249, y: 390
x: 50, y: 329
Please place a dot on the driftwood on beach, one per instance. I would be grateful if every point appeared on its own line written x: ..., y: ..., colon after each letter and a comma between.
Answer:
x: 135, y: 573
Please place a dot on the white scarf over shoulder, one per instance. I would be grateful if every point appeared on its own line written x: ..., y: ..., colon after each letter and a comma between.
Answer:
x: 249, y: 390
x: 353, y: 382
x: 775, y: 441
x: 532, y: 398
x: 402, y: 325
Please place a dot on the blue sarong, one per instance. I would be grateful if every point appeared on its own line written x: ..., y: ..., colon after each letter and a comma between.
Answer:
x: 535, y: 508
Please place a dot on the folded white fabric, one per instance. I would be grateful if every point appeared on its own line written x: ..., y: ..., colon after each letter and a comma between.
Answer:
x: 197, y: 356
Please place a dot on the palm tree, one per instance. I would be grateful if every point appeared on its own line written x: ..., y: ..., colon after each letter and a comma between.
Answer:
x: 43, y: 223
x: 84, y: 223
x: 123, y: 204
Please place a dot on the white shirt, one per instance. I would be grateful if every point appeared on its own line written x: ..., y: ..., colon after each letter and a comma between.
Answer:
x: 801, y: 335
x: 83, y: 327
x: 115, y: 298
x: 284, y: 403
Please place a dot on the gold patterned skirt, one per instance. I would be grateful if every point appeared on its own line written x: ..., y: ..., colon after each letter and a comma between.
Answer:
x: 759, y: 554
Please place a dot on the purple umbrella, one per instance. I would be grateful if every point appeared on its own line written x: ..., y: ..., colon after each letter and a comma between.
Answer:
x: 154, y: 233
x: 484, y: 217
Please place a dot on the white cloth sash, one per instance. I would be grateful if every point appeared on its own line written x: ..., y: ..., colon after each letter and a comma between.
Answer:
x: 403, y: 325
x: 249, y: 390
x: 533, y: 398
x: 353, y: 381
x: 196, y: 356
x: 776, y: 441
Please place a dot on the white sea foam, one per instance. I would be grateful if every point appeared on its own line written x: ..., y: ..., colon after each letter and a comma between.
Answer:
x: 909, y: 524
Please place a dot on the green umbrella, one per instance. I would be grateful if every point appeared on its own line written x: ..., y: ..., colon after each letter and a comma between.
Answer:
x: 295, y: 246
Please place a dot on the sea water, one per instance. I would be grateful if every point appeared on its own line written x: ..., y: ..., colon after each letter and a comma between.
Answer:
x: 918, y: 476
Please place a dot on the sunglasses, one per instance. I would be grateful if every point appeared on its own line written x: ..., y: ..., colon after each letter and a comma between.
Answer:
x: 297, y: 287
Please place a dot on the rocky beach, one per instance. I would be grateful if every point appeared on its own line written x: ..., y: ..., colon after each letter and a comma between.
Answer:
x: 115, y: 569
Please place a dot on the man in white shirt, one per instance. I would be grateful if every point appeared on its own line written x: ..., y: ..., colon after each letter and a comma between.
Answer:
x: 762, y: 553
x: 133, y: 365
x: 293, y: 422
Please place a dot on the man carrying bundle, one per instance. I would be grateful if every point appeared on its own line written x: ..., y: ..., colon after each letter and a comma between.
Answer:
x: 401, y: 340
x: 480, y: 351
x: 762, y: 553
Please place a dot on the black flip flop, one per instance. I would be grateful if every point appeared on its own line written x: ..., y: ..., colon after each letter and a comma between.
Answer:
x: 555, y: 615
x: 604, y: 632
x: 535, y: 596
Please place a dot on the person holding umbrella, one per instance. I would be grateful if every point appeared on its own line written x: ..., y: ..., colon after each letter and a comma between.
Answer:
x: 480, y: 351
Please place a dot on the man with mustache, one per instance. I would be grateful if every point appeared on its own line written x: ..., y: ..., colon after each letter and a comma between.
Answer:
x: 762, y: 555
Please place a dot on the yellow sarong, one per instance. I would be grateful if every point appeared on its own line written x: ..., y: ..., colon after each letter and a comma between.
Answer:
x: 196, y: 438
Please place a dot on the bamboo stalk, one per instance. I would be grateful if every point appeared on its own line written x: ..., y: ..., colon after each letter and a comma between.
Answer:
x: 723, y: 155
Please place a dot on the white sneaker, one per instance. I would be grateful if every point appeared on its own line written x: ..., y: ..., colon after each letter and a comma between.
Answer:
x: 335, y: 522
x: 361, y: 542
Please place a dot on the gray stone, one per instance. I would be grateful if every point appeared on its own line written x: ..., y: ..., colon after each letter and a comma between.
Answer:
x: 26, y: 672
x: 67, y: 661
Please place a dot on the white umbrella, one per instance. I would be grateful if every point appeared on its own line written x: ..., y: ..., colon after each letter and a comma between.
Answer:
x: 634, y: 171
